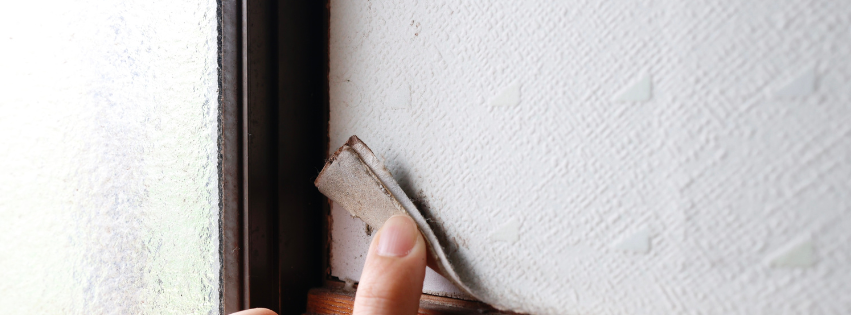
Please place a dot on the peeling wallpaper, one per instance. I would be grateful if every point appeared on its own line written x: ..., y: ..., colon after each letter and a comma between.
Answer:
x: 610, y: 157
x: 109, y: 196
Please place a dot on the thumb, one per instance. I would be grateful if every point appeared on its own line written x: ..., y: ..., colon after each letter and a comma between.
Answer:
x: 392, y: 279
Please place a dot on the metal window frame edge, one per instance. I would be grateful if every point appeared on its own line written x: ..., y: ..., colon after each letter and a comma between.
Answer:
x: 273, y: 141
x: 230, y: 155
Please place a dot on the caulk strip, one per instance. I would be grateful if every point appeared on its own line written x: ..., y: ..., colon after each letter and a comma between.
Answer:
x: 356, y: 179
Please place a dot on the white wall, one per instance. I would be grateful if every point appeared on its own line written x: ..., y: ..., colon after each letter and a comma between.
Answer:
x: 651, y: 156
x: 108, y: 157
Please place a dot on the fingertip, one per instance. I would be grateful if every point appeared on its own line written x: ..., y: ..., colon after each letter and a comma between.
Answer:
x: 392, y: 279
x: 256, y: 311
x: 397, y: 237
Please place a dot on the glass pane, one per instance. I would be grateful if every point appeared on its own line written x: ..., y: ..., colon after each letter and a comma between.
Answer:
x: 109, y: 196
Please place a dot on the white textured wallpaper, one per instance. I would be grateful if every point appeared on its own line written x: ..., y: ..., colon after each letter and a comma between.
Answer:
x: 611, y: 157
x: 109, y: 196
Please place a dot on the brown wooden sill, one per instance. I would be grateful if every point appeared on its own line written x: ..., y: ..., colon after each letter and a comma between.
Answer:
x: 334, y: 299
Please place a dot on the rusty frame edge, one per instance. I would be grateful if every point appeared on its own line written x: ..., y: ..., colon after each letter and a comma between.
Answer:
x: 231, y: 283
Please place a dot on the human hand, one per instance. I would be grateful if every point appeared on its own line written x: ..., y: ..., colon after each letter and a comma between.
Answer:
x: 392, y: 278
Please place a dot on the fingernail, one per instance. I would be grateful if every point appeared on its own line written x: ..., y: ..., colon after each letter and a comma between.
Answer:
x: 397, y: 237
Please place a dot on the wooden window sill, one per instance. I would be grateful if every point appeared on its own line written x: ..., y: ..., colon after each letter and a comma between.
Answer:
x: 335, y: 299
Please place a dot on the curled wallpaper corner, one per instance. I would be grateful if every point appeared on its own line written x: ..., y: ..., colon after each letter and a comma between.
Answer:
x: 355, y: 178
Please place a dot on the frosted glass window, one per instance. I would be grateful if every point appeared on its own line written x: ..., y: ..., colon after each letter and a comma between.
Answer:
x: 109, y: 197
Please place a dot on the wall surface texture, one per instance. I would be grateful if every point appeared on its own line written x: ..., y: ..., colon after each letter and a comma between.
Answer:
x: 611, y: 157
x: 109, y: 196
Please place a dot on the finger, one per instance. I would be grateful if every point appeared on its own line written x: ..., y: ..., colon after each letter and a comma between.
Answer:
x: 392, y: 279
x: 255, y: 311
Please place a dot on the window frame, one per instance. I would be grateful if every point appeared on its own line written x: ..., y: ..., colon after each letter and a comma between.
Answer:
x: 273, y: 142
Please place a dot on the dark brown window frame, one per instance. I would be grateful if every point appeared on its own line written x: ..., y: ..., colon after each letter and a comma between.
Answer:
x: 273, y: 138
